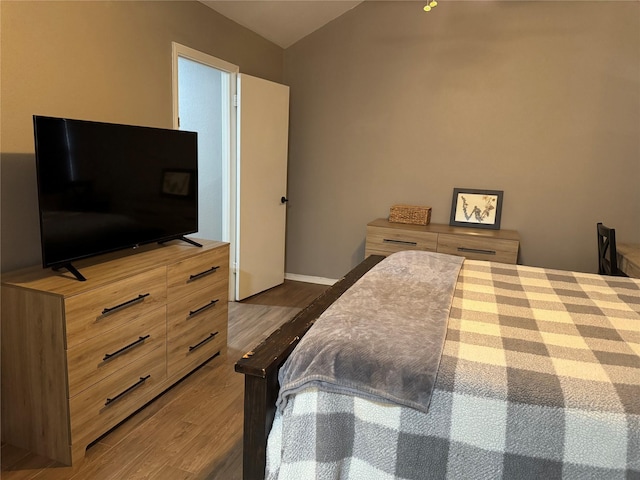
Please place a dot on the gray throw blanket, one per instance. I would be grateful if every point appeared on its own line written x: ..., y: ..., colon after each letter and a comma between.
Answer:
x: 376, y: 341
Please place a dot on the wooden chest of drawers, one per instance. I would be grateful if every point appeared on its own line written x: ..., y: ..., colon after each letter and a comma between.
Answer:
x: 80, y: 357
x: 385, y: 238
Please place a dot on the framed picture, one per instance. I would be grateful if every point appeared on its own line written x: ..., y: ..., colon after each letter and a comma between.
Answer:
x: 178, y: 183
x: 476, y: 208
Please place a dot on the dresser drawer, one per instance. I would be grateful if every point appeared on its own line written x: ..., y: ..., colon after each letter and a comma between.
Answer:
x: 99, y: 357
x: 208, y: 270
x: 479, y: 248
x: 186, y: 357
x: 199, y: 304
x: 193, y: 339
x: 104, y: 405
x: 385, y: 241
x: 97, y: 311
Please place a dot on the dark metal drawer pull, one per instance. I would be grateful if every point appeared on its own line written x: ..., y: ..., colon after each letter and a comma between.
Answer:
x: 476, y: 250
x: 198, y: 345
x: 124, y: 392
x: 107, y: 356
x: 202, y: 309
x: 128, y: 303
x: 400, y: 242
x: 203, y: 274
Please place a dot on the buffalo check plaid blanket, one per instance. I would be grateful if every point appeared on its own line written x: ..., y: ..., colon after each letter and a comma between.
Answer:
x: 539, y: 379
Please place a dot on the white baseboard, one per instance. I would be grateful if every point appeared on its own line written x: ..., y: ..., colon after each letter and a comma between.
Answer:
x: 309, y: 279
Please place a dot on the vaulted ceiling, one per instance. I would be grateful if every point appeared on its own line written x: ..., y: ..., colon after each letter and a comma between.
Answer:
x: 283, y: 22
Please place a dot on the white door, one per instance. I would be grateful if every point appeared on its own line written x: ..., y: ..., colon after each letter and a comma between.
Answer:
x: 263, y: 118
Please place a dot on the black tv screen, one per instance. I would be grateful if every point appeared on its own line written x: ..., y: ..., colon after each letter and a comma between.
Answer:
x: 104, y: 187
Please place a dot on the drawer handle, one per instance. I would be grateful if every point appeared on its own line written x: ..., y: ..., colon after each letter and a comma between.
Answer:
x: 108, y: 356
x: 399, y: 242
x: 198, y: 345
x: 193, y: 313
x: 203, y: 274
x: 128, y: 303
x: 476, y: 250
x: 124, y: 392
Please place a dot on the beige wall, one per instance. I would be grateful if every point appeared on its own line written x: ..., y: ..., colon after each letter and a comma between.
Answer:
x: 388, y: 105
x: 392, y: 105
x: 103, y: 61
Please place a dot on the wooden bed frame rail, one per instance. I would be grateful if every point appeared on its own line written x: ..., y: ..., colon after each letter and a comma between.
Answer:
x: 260, y: 368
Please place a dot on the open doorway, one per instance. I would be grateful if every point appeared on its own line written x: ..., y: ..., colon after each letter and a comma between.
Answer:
x: 242, y: 125
x: 203, y: 91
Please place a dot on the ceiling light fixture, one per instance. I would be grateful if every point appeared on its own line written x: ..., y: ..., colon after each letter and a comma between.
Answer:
x: 430, y: 5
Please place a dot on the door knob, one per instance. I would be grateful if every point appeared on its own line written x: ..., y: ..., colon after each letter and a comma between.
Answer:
x: 284, y: 200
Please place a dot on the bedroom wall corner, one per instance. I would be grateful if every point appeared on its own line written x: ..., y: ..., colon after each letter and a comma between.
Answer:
x: 538, y: 99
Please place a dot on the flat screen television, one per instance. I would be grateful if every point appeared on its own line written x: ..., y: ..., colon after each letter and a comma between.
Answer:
x: 104, y: 187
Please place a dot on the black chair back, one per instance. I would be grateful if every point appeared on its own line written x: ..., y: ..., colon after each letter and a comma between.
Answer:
x: 607, y: 253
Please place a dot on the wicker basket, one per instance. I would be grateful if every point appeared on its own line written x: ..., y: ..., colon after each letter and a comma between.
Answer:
x: 412, y: 214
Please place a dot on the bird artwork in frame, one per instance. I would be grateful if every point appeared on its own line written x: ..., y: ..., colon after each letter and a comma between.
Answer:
x: 476, y: 208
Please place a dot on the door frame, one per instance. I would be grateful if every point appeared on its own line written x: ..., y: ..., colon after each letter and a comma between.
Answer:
x: 230, y: 213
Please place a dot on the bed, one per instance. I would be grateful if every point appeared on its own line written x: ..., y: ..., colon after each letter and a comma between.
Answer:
x: 423, y: 365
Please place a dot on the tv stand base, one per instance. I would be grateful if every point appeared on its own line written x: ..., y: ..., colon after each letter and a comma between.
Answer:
x: 184, y: 239
x: 71, y: 269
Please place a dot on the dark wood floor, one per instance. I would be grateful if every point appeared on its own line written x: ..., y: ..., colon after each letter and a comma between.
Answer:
x: 289, y: 294
x: 193, y: 431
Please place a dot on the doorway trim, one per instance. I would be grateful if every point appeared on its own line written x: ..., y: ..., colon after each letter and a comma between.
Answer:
x: 230, y: 212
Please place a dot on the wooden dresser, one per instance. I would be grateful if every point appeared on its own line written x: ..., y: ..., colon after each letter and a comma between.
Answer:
x: 385, y: 238
x: 80, y: 357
